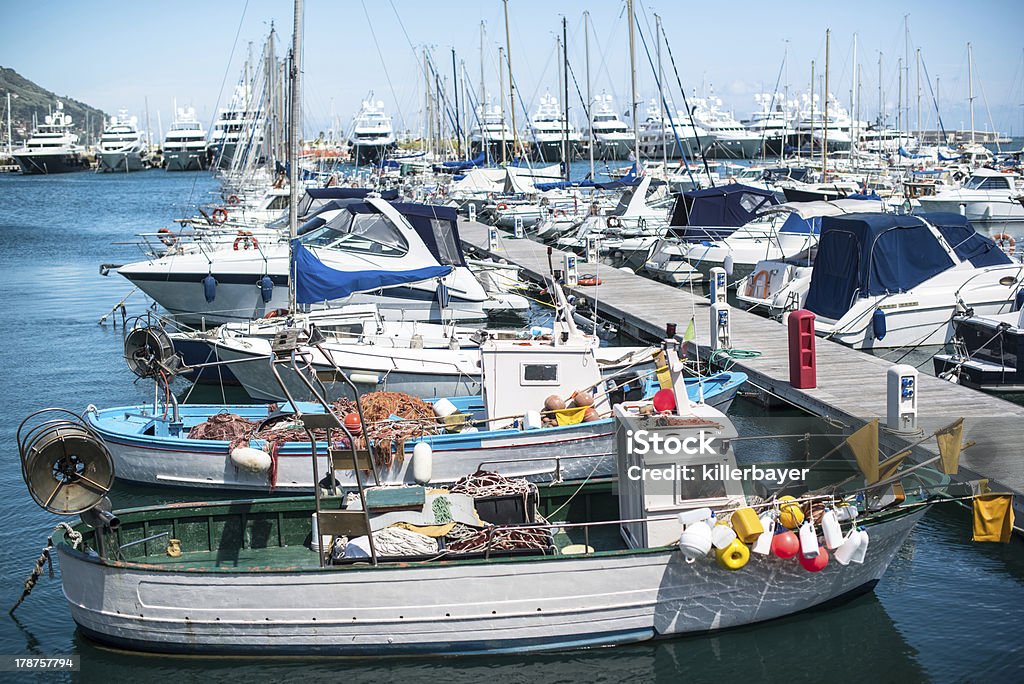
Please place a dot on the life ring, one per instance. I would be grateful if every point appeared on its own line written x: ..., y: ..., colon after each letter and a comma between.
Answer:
x: 752, y: 284
x: 274, y: 313
x: 219, y: 215
x: 502, y: 206
x: 1005, y: 242
x: 613, y: 222
x: 233, y: 200
x: 559, y: 212
x: 167, y: 237
x: 588, y: 280
x: 246, y: 239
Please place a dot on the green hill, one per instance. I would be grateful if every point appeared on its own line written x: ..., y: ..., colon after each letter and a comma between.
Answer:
x: 33, y: 99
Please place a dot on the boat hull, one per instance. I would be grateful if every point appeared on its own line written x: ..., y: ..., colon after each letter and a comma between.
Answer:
x: 43, y: 164
x: 518, y: 605
x: 185, y: 160
x: 114, y: 162
x: 370, y: 154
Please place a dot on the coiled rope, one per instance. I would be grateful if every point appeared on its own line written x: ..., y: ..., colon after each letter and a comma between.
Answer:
x: 74, y: 537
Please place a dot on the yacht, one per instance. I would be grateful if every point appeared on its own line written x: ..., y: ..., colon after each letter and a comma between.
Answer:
x: 771, y: 123
x: 811, y: 125
x: 238, y: 130
x: 662, y: 135
x: 548, y: 131
x: 612, y: 137
x: 122, y: 147
x: 406, y: 258
x: 491, y: 133
x: 372, y: 135
x: 731, y: 140
x: 986, y: 196
x: 185, y: 146
x: 885, y: 140
x: 52, y: 147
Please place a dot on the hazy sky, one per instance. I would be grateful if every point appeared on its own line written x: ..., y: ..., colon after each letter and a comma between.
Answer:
x: 115, y: 54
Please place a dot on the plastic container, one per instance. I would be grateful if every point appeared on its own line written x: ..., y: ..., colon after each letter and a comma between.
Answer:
x: 532, y: 420
x: 862, y: 549
x: 763, y: 545
x: 443, y: 407
x: 830, y: 529
x: 747, y: 525
x: 808, y: 540
x: 846, y: 513
x: 722, y: 536
x: 695, y: 541
x: 696, y: 515
x: 849, y: 547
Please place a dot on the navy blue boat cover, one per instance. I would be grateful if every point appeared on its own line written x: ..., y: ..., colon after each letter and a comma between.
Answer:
x: 733, y: 205
x: 316, y: 282
x: 862, y: 255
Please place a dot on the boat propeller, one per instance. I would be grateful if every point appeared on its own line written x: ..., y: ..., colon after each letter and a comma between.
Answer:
x: 149, y: 351
x: 65, y: 464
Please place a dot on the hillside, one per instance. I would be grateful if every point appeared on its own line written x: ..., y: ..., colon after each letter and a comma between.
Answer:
x: 33, y: 99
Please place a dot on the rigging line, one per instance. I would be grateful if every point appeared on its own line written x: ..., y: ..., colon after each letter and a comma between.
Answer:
x: 387, y: 76
x: 935, y: 102
x: 693, y: 125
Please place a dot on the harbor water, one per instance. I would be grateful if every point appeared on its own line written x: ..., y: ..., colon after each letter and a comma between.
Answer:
x: 942, y: 613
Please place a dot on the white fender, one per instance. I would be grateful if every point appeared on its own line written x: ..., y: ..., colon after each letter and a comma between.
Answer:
x: 253, y: 460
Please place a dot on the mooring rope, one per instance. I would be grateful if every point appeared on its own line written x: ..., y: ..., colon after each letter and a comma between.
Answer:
x: 44, y: 559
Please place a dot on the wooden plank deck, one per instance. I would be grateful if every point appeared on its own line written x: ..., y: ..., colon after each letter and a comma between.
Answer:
x: 851, y: 384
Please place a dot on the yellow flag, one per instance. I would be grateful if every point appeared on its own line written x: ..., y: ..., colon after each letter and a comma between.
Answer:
x: 691, y: 332
x: 993, y: 518
x: 950, y: 444
x: 864, y: 445
x: 661, y: 364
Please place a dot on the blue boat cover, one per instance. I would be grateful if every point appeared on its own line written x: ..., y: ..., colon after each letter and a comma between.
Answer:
x: 731, y: 205
x: 870, y: 254
x: 795, y: 223
x: 316, y: 282
x: 908, y: 155
x: 478, y: 160
x: 968, y: 244
x: 349, y: 193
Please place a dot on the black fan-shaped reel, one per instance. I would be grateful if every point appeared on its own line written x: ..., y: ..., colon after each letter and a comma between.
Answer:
x: 148, y: 351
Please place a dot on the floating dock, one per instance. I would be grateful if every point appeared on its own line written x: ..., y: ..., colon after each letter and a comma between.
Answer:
x: 851, y: 385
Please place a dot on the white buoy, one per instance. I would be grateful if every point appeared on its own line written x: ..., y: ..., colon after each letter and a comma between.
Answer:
x: 763, y: 545
x: 830, y: 529
x: 422, y: 463
x: 443, y: 407
x: 862, y: 548
x: 252, y: 460
x: 808, y: 540
x: 695, y: 541
x: 849, y: 547
x: 364, y: 378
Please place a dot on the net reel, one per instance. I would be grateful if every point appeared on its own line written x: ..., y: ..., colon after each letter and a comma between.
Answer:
x: 65, y: 464
x: 149, y: 351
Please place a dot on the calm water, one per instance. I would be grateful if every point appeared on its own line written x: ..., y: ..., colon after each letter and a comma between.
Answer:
x: 940, y: 614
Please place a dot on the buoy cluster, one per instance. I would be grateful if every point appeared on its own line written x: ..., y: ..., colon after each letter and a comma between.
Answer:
x: 579, y: 408
x: 783, y: 530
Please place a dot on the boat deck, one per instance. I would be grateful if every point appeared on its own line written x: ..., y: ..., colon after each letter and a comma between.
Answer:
x: 851, y: 385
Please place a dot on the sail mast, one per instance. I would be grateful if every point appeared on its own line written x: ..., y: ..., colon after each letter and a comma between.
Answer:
x: 511, y: 83
x: 824, y: 134
x: 632, y: 84
x: 590, y: 100
x: 293, y: 142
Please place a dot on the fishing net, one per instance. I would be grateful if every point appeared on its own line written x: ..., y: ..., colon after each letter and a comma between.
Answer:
x: 484, y: 483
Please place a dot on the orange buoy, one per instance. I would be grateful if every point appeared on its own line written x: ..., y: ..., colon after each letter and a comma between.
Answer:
x: 816, y: 564
x: 785, y: 545
x: 664, y: 400
x: 354, y: 425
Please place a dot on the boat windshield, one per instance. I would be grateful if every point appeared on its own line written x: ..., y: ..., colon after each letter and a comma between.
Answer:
x: 360, y: 234
x: 987, y: 183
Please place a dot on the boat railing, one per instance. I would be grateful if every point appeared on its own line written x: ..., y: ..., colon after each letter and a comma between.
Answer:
x: 557, y: 470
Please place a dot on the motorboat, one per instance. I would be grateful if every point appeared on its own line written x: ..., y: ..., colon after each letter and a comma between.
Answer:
x: 185, y: 145
x: 890, y: 280
x: 372, y: 135
x: 491, y: 134
x: 612, y: 138
x: 988, y: 195
x: 237, y: 133
x: 730, y: 138
x: 549, y: 131
x: 670, y: 136
x: 53, y: 146
x: 986, y: 352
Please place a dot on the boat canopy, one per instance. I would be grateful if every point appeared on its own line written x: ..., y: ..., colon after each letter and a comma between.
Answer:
x: 316, y: 282
x: 731, y: 205
x: 872, y: 254
x: 315, y: 198
x: 805, y: 217
x: 478, y: 160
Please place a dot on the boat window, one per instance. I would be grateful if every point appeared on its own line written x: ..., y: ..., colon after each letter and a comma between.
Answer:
x: 987, y: 183
x: 539, y: 373
x: 448, y: 252
x: 751, y: 202
x: 280, y: 202
x: 688, y: 489
x: 361, y: 234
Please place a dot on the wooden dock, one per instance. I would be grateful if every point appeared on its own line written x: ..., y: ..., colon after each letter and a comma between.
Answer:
x: 851, y: 385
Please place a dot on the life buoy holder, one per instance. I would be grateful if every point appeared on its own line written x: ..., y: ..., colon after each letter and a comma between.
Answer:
x: 246, y: 239
x: 1006, y: 242
x: 167, y: 237
x: 233, y: 200
x: 219, y: 215
x: 588, y: 280
x: 502, y: 206
x: 752, y: 284
x: 613, y: 222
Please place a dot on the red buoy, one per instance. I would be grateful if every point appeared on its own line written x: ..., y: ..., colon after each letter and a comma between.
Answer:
x: 816, y: 564
x: 786, y: 545
x: 665, y: 400
x: 353, y: 424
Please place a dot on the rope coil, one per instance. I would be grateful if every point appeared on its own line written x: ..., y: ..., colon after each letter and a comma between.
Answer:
x: 75, y: 539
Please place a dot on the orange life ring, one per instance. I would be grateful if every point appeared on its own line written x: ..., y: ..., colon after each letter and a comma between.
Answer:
x: 613, y: 222
x: 219, y: 215
x: 274, y: 313
x: 1006, y: 239
x: 589, y: 280
x: 559, y: 212
x: 752, y: 284
x: 167, y: 237
x: 502, y: 206
x: 246, y: 239
x: 233, y: 200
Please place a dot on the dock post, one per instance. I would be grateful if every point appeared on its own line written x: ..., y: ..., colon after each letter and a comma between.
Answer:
x: 593, y: 249
x: 472, y: 212
x: 901, y: 398
x: 719, y: 285
x: 803, y: 372
x: 518, y: 230
x: 569, y: 269
x: 492, y: 239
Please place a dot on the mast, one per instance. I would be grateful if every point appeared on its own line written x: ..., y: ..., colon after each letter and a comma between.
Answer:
x: 458, y: 116
x: 906, y: 65
x: 970, y: 86
x: 590, y: 100
x: 919, y: 95
x: 427, y: 119
x: 899, y: 102
x: 632, y: 83
x: 511, y: 83
x: 482, y: 102
x: 881, y: 114
x: 270, y: 120
x: 566, y: 152
x: 824, y: 141
x: 293, y: 140
x: 661, y: 100
x: 501, y: 99
x: 855, y: 98
x: 812, y: 111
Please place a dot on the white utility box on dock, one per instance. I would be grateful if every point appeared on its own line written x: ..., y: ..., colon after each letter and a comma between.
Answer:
x: 572, y: 277
x: 901, y: 398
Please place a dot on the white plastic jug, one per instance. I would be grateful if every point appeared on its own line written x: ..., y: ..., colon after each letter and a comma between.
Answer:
x: 858, y: 556
x: 849, y: 547
x: 722, y: 536
x: 808, y: 540
x: 763, y: 544
x: 846, y: 513
x: 696, y: 515
x: 830, y: 529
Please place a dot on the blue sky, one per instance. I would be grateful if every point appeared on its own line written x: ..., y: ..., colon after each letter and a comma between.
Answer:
x: 116, y: 54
